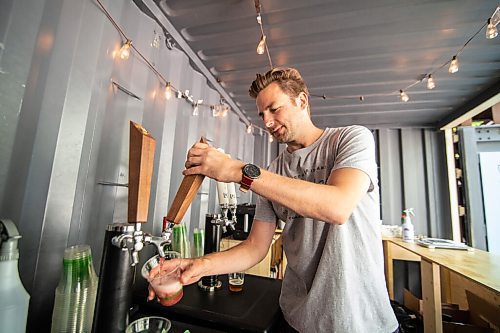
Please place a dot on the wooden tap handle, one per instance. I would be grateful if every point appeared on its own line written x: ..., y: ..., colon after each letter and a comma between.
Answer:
x: 141, y: 159
x: 185, y: 195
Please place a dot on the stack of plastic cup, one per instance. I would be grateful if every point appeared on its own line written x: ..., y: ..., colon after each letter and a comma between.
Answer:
x: 76, y: 292
x: 198, y: 242
x: 180, y: 242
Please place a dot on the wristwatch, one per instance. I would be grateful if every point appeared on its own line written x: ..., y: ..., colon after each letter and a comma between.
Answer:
x: 250, y: 173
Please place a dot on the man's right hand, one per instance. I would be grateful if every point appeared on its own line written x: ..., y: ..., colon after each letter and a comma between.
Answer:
x: 205, y: 160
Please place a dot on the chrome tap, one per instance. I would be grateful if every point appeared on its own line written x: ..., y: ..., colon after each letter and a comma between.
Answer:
x: 134, y: 242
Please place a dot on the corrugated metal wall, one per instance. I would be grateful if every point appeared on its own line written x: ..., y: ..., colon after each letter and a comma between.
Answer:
x: 412, y: 171
x: 65, y: 128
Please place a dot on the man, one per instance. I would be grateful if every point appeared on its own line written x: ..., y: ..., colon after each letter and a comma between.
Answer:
x: 324, y: 186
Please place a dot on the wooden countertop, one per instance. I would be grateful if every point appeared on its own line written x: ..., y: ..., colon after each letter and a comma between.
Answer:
x: 477, y: 265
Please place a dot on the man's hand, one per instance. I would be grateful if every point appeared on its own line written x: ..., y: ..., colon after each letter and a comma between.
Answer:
x: 192, y: 270
x: 206, y: 160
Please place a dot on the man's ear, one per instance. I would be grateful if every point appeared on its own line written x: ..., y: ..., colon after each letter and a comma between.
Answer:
x: 303, y: 100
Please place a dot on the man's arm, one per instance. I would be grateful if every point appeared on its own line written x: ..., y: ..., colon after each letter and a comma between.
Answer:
x: 332, y: 202
x: 238, y: 258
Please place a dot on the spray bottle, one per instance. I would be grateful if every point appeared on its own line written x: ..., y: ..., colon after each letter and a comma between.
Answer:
x: 14, y: 299
x: 408, y: 229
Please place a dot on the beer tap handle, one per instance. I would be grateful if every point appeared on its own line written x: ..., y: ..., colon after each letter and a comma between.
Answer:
x: 231, y: 190
x: 222, y: 193
x: 184, y: 196
x: 141, y: 160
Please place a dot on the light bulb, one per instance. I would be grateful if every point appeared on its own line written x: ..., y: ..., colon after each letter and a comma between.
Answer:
x: 224, y: 111
x: 270, y: 138
x: 453, y: 65
x: 249, y: 129
x: 125, y: 50
x: 430, y: 82
x: 259, y: 19
x: 491, y: 30
x: 156, y: 40
x: 404, y: 97
x: 215, y: 113
x: 262, y: 45
x: 196, y: 112
x: 168, y: 91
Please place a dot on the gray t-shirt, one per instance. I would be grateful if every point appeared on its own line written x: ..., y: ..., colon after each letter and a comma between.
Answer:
x: 334, y: 280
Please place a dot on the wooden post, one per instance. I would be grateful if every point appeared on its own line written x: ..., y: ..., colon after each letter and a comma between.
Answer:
x: 431, y: 294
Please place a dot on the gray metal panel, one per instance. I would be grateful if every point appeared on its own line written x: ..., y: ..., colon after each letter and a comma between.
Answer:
x: 73, y: 132
x: 390, y: 182
x: 18, y: 38
x: 412, y: 163
x: 415, y: 192
x: 474, y: 140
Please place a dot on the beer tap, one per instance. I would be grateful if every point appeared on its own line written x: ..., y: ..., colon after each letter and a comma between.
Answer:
x: 222, y: 193
x: 124, y: 241
x: 231, y: 189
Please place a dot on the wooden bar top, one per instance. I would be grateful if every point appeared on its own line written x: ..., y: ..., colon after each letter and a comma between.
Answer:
x: 477, y: 265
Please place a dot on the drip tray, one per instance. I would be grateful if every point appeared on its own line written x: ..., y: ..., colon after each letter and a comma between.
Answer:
x: 255, y: 309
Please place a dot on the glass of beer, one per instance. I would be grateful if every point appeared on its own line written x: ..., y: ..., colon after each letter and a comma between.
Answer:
x: 236, y: 281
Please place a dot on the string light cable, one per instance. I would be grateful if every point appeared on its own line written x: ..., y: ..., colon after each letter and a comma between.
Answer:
x: 453, y: 64
x: 124, y: 53
x: 262, y: 46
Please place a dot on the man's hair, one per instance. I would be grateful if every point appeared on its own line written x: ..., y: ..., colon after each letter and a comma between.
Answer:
x: 288, y: 79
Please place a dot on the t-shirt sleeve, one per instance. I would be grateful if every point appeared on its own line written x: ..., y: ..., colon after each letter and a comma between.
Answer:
x: 264, y: 210
x: 356, y: 149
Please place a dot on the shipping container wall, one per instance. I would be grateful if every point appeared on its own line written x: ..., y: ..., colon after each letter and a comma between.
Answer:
x: 65, y: 130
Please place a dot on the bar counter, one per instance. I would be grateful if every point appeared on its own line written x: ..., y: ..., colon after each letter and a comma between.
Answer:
x: 255, y: 309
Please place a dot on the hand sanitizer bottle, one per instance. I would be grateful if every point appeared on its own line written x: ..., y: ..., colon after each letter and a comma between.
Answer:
x: 408, y: 229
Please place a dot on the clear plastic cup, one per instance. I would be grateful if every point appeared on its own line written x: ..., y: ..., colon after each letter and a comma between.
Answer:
x: 164, y: 278
x: 149, y: 325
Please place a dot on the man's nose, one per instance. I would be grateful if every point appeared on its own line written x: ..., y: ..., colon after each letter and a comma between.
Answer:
x: 268, y: 121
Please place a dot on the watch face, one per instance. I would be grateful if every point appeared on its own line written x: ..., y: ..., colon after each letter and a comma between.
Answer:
x: 251, y: 171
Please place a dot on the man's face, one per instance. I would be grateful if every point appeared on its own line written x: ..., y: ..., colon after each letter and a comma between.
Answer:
x: 279, y: 112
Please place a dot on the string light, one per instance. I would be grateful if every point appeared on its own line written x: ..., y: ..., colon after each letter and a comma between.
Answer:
x: 490, y: 25
x: 404, y: 97
x: 196, y: 111
x: 262, y: 45
x: 453, y: 65
x: 124, y: 53
x: 430, y: 82
x: 249, y: 129
x: 168, y: 91
x: 125, y: 50
x: 491, y: 30
x: 156, y: 40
